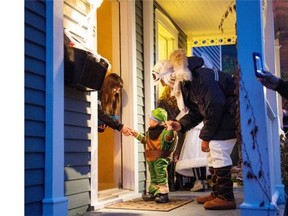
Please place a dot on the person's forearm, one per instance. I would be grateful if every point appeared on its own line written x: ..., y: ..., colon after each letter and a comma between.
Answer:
x: 282, y: 88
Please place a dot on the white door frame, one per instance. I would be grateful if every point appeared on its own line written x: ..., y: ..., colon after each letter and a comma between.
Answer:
x: 127, y: 66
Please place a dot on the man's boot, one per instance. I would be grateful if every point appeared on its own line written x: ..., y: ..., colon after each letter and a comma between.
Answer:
x: 225, y: 199
x: 214, y: 193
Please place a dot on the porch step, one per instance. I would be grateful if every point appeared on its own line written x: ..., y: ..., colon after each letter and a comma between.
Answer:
x: 111, y: 193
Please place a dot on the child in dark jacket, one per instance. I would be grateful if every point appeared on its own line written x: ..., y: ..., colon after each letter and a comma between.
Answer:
x: 160, y: 143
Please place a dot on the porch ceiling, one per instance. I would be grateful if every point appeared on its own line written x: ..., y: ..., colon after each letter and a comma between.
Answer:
x: 215, y: 18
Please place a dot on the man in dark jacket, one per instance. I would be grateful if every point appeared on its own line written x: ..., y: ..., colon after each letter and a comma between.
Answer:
x: 210, y: 97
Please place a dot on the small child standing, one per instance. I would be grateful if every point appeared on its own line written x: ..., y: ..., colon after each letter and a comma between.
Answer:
x: 160, y: 143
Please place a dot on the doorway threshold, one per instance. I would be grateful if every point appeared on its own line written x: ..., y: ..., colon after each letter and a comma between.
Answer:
x: 114, y: 195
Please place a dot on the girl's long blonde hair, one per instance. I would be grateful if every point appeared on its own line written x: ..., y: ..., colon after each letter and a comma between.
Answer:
x: 110, y: 100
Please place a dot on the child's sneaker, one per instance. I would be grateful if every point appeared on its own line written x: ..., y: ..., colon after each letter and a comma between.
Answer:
x: 148, y: 197
x: 162, y: 198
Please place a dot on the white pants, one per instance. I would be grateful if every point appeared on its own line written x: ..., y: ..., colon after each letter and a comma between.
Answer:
x: 219, y: 154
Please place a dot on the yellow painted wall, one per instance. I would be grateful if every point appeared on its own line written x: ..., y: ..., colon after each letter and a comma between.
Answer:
x: 106, y: 139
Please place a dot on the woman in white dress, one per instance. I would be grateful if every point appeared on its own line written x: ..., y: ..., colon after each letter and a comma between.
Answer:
x: 192, y: 161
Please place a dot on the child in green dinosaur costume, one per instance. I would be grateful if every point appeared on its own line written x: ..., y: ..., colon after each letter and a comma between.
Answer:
x: 160, y: 143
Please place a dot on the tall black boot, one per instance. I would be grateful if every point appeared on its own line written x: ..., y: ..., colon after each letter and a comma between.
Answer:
x: 225, y: 198
x: 214, y: 192
x: 225, y: 183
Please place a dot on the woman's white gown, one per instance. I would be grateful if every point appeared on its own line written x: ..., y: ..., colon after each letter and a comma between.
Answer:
x: 191, y: 155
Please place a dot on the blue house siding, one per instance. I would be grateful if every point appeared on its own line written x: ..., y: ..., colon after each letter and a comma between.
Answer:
x: 140, y: 91
x: 214, y: 52
x: 35, y: 44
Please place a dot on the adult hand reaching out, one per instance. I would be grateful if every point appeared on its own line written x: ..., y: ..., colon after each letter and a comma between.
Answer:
x: 175, y: 125
x: 269, y: 80
x: 126, y: 131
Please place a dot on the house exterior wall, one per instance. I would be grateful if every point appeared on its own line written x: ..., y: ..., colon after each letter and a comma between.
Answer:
x: 214, y: 53
x: 140, y: 92
x: 44, y: 131
x: 77, y: 127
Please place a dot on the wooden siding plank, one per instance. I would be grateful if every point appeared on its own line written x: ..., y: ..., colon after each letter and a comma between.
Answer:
x: 34, y: 97
x: 33, y: 112
x: 142, y: 176
x: 78, y: 7
x: 141, y: 121
x: 34, y: 144
x: 140, y: 100
x: 77, y: 94
x: 141, y: 148
x: 77, y: 132
x: 35, y: 35
x: 142, y: 186
x: 77, y: 119
x: 140, y: 86
x: 38, y: 7
x: 34, y: 128
x: 140, y: 65
x: 140, y: 74
x: 77, y: 186
x: 72, y: 145
x: 35, y: 207
x: 212, y: 52
x: 33, y: 15
x: 34, y: 50
x: 34, y: 177
x: 34, y: 194
x: 140, y: 110
x: 141, y: 167
x: 34, y: 66
x: 74, y: 173
x: 141, y: 157
x: 77, y: 159
x: 77, y: 106
x: 34, y: 160
x: 35, y: 81
x: 139, y: 32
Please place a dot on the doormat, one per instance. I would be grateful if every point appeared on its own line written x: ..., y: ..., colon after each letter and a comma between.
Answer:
x: 140, y: 204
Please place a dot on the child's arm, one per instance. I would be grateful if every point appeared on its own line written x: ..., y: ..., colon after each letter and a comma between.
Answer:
x: 140, y: 137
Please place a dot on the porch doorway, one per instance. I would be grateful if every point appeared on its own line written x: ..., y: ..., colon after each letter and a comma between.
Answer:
x: 110, y: 178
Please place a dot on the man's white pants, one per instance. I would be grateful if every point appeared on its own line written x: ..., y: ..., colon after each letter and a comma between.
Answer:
x: 219, y: 154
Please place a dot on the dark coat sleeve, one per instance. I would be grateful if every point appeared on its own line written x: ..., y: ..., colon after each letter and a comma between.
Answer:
x: 282, y: 88
x: 108, y: 120
x: 213, y: 100
x: 191, y: 119
x: 209, y: 108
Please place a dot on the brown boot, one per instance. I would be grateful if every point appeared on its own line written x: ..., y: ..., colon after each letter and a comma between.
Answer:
x: 220, y: 204
x: 203, y: 199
